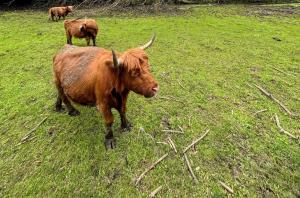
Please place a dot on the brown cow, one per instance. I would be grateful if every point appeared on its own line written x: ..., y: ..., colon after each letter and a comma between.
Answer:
x: 81, y: 28
x: 101, y: 78
x: 58, y: 12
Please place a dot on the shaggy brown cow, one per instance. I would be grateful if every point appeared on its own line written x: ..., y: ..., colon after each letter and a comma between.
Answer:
x: 101, y: 78
x: 81, y: 28
x: 58, y: 12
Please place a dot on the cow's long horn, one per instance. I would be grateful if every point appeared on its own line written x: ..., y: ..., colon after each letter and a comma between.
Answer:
x: 115, y: 59
x: 149, y: 43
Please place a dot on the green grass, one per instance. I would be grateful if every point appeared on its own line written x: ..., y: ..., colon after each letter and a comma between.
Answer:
x: 215, y: 53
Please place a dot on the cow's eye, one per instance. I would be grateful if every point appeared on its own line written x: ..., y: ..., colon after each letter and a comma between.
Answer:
x: 135, y: 73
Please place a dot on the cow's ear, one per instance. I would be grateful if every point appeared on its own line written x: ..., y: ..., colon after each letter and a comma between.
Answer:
x: 82, y: 27
x: 110, y: 63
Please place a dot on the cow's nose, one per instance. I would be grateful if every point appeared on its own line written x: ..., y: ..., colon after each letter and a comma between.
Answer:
x: 155, y: 89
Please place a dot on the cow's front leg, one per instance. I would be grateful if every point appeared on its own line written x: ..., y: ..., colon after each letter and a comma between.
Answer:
x: 125, y: 124
x: 110, y: 142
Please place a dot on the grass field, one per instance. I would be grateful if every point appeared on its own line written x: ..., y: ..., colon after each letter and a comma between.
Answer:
x: 206, y: 61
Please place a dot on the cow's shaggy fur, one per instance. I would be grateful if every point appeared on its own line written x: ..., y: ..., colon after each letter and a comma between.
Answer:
x: 81, y: 28
x: 89, y: 76
x: 55, y: 13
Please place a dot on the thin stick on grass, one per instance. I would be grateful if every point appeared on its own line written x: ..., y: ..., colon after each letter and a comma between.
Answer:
x: 154, y: 192
x: 195, y: 141
x: 190, y: 168
x: 181, y: 129
x: 283, y: 71
x: 170, y: 98
x: 172, y: 131
x: 260, y: 111
x: 150, y: 168
x: 282, y: 129
x: 277, y: 101
x: 25, y: 138
x: 180, y: 84
x: 226, y: 187
x: 172, y: 144
x: 162, y: 143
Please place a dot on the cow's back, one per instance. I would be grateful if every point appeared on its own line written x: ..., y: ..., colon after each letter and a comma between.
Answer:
x: 75, y: 70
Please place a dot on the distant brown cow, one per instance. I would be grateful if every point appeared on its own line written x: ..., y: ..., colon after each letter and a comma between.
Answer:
x: 81, y: 28
x: 57, y: 12
x: 98, y: 77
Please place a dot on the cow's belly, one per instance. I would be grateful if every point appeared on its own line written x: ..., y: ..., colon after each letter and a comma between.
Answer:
x: 81, y: 96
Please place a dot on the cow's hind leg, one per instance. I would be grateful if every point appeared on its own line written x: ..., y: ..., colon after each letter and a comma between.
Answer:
x: 87, y: 41
x: 94, y: 40
x: 63, y: 98
x: 58, y: 104
x: 71, y: 110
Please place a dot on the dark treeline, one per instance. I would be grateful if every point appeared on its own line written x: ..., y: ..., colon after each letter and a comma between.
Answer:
x: 123, y: 3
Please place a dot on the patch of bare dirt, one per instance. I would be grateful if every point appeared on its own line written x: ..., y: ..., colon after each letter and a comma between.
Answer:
x: 273, y: 10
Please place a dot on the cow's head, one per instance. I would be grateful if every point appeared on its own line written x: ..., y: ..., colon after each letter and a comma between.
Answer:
x: 134, y: 69
x: 69, y: 8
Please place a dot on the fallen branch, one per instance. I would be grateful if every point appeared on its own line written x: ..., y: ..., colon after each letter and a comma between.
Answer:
x: 226, y: 187
x: 25, y: 138
x: 154, y: 192
x: 172, y: 131
x: 149, y: 168
x: 172, y: 144
x: 195, y: 141
x: 282, y: 129
x: 190, y: 168
x: 260, y: 111
x: 277, y: 101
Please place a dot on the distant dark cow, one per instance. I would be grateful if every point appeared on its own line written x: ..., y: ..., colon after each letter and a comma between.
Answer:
x: 57, y: 12
x: 81, y: 28
x: 102, y: 78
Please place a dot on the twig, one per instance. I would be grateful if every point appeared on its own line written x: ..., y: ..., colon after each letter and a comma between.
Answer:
x: 32, y: 130
x: 260, y: 111
x: 149, y: 168
x: 190, y: 120
x: 286, y: 82
x: 180, y: 84
x: 195, y: 141
x: 277, y: 101
x: 282, y: 129
x: 172, y: 131
x: 190, y: 168
x: 170, y: 98
x: 181, y: 129
x: 154, y: 192
x: 172, y: 144
x: 27, y: 140
x: 162, y: 143
x: 143, y: 130
x: 283, y: 72
x: 226, y: 187
x: 11, y: 2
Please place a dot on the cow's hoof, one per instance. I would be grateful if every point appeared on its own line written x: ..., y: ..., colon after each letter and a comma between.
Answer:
x: 127, y: 127
x: 110, y: 143
x: 59, y: 109
x: 74, y: 112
